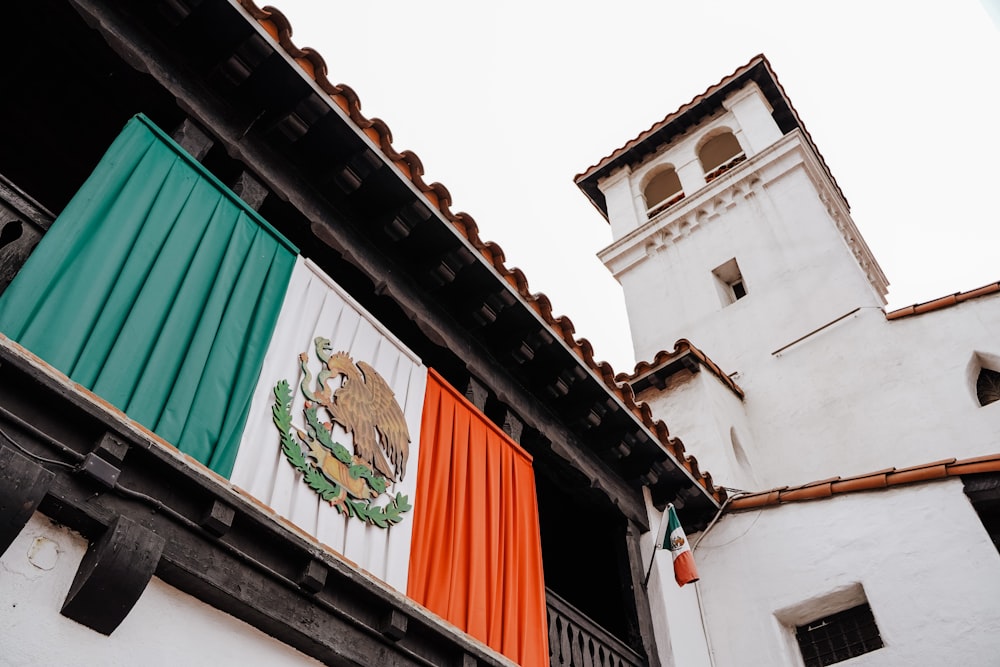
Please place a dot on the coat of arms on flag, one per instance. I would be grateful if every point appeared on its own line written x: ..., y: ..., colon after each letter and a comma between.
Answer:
x: 364, y: 406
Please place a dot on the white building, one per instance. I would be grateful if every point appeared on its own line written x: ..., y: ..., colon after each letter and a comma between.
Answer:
x: 730, y: 231
x: 125, y: 538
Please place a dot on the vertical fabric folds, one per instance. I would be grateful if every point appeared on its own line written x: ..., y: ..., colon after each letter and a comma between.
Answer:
x: 157, y: 289
x: 476, y: 559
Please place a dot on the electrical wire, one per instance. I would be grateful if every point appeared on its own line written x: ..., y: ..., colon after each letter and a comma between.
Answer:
x: 41, y: 435
x: 28, y: 452
x: 722, y: 508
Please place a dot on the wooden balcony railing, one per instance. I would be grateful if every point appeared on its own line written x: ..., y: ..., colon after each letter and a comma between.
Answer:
x: 576, y: 641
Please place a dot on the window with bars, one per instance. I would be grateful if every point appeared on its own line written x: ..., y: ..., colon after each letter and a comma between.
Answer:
x: 838, y: 637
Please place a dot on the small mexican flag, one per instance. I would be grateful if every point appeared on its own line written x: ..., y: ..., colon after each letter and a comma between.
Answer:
x: 674, y: 539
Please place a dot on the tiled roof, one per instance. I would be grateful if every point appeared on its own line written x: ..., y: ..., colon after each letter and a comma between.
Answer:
x: 683, y: 109
x: 943, y: 302
x: 313, y: 65
x: 758, y: 60
x: 665, y: 357
x: 869, y: 482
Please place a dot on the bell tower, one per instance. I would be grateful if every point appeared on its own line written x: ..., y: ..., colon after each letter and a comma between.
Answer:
x: 728, y: 227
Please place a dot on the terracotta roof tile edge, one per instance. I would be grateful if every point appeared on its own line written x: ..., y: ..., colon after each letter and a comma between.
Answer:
x: 760, y: 58
x: 682, y: 346
x: 313, y: 65
x: 943, y: 302
x: 872, y: 481
x: 690, y: 104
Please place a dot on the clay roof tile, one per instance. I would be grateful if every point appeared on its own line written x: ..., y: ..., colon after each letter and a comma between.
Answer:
x: 663, y: 357
x: 868, y: 482
x: 943, y: 302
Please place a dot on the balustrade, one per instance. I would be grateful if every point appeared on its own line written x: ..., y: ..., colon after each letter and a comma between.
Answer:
x: 576, y: 641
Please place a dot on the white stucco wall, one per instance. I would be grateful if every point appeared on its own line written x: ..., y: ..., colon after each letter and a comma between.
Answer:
x: 769, y: 214
x: 870, y: 393
x: 858, y: 395
x: 863, y: 394
x: 753, y: 114
x: 704, y: 413
x: 166, y: 628
x: 923, y: 558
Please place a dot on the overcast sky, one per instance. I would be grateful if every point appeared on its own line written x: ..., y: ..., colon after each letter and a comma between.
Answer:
x: 506, y: 102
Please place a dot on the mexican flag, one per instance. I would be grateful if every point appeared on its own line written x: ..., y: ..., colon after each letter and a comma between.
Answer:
x: 161, y: 292
x: 673, y: 539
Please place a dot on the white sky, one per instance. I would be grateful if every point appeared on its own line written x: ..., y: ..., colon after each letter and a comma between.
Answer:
x: 506, y: 102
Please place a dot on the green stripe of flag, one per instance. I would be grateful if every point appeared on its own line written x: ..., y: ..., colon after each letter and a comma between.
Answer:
x: 158, y: 289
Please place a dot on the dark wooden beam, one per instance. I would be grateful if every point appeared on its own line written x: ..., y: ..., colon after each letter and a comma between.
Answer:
x: 313, y: 576
x: 112, y: 575
x: 23, y: 484
x: 394, y: 624
x: 477, y: 394
x: 635, y: 578
x: 23, y: 221
x: 218, y: 519
x: 193, y: 139
x: 513, y: 426
x: 250, y: 190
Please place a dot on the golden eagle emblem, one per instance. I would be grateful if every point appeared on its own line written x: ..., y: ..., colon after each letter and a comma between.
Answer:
x: 363, y: 405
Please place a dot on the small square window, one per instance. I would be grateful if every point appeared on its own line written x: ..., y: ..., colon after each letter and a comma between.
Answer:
x: 838, y: 637
x: 730, y: 283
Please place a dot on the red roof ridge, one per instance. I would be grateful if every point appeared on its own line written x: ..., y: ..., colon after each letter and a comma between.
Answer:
x: 880, y: 479
x: 314, y: 66
x: 943, y: 302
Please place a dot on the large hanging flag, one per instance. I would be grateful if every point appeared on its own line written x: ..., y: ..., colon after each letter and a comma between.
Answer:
x: 160, y: 291
x: 672, y: 538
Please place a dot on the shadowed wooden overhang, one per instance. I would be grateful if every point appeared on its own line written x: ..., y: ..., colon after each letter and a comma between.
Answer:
x: 667, y: 363
x: 360, y: 208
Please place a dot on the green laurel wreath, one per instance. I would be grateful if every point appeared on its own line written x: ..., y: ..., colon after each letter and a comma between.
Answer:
x: 383, y: 517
